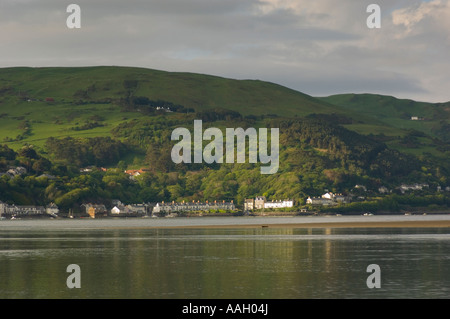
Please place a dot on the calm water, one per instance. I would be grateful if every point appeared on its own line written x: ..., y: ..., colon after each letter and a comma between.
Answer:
x: 120, y: 260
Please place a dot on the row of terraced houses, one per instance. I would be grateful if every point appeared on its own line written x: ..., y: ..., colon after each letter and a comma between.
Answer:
x: 7, y: 210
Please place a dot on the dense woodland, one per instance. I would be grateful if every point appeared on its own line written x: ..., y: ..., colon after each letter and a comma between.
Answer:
x: 316, y: 154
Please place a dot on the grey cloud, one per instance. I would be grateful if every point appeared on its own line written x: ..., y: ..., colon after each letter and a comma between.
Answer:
x: 318, y: 52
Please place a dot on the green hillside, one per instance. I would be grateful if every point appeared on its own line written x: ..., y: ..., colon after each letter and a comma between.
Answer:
x: 84, y: 94
x: 396, y: 113
x: 191, y: 90
x: 414, y: 127
x: 58, y: 121
x: 91, y: 101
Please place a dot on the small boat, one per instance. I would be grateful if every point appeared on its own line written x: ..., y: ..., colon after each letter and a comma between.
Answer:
x: 368, y: 214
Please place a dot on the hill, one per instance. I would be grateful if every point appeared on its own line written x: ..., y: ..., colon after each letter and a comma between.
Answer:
x: 397, y: 113
x: 37, y: 103
x: 58, y: 121
x: 415, y: 127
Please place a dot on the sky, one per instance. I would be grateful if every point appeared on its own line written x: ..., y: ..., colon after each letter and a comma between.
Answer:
x: 319, y: 47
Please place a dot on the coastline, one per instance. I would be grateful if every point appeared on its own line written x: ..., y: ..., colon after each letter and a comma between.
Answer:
x: 365, y: 224
x: 375, y: 221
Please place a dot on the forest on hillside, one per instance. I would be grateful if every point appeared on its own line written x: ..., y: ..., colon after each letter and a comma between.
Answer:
x: 317, y: 154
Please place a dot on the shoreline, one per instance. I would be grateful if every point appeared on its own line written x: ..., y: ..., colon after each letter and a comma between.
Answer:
x: 411, y: 221
x: 365, y: 224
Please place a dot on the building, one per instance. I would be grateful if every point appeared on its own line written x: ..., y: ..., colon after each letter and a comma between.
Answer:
x: 383, y: 190
x: 89, y: 169
x: 94, y: 209
x: 138, y: 209
x: 328, y: 199
x: 361, y: 187
x: 193, y: 206
x: 412, y: 187
x: 27, y: 210
x: 320, y: 201
x: 260, y: 202
x: 131, y: 209
x: 15, y: 171
x: 249, y: 204
x: 279, y: 204
x: 52, y: 209
x: 3, y: 207
x: 115, y: 210
x: 134, y: 172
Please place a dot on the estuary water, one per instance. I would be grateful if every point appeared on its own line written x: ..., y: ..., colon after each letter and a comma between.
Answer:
x: 141, y: 259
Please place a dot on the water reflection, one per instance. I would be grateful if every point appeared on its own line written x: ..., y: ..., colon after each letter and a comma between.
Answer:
x: 225, y: 263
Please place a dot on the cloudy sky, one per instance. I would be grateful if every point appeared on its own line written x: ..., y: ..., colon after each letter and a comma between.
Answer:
x: 319, y: 47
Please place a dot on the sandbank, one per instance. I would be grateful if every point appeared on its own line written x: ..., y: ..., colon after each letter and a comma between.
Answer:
x: 362, y: 224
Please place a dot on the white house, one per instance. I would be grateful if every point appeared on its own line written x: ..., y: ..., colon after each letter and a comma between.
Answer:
x: 364, y: 188
x: 17, y: 171
x: 115, y: 210
x: 52, y: 209
x: 260, y: 202
x: 383, y: 190
x: 320, y: 201
x: 328, y: 199
x: 404, y: 187
x: 279, y: 204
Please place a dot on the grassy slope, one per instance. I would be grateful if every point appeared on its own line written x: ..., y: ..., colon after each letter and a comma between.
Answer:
x: 393, y: 112
x: 372, y: 113
x: 191, y: 90
x: 392, y: 117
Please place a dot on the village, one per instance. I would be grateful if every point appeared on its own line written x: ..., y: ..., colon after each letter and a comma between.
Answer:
x: 159, y: 209
x: 253, y: 206
x: 259, y: 205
